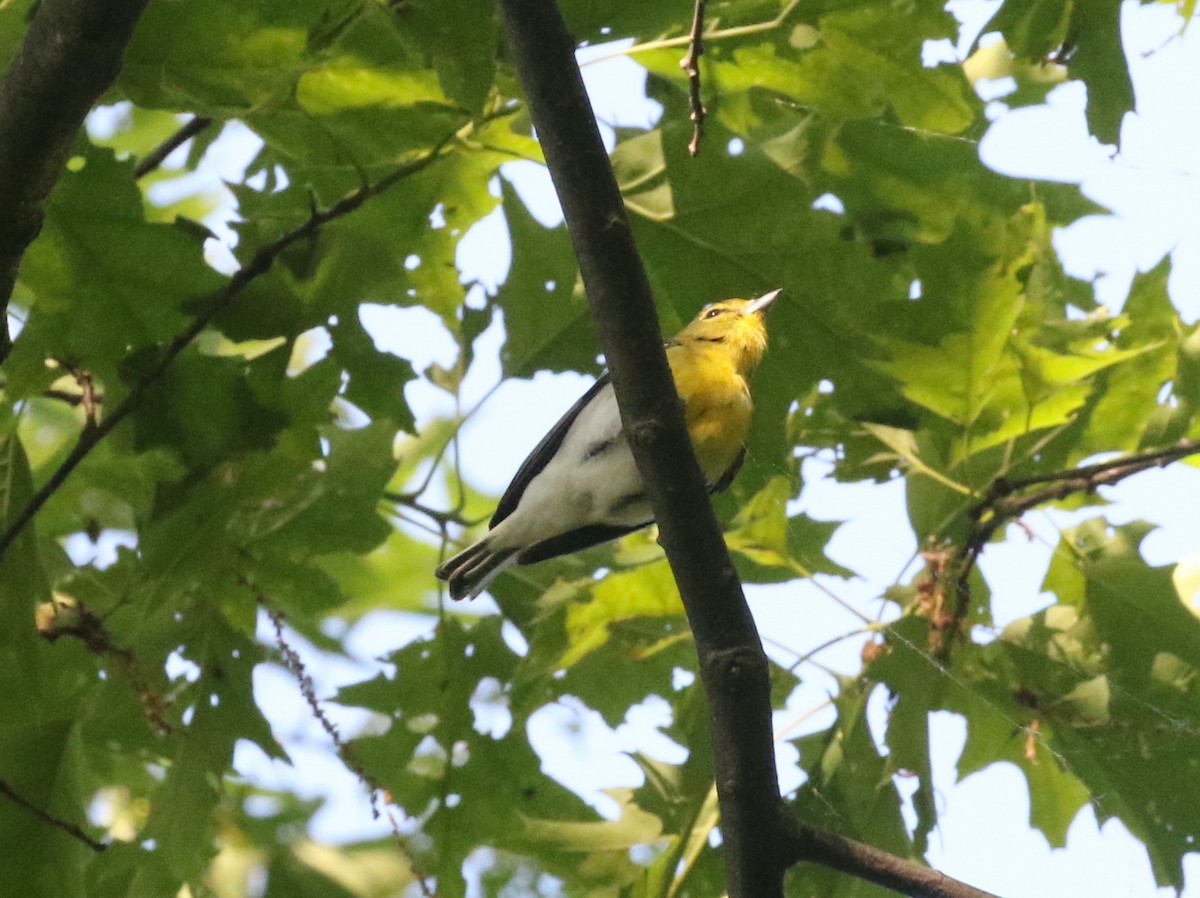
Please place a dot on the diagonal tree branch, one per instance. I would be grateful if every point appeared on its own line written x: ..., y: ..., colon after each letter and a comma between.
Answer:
x: 260, y: 264
x: 74, y: 830
x: 71, y: 54
x: 819, y: 846
x: 732, y: 663
x: 1008, y: 499
x: 760, y: 837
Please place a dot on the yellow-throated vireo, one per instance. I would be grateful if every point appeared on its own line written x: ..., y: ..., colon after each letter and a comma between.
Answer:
x: 580, y: 486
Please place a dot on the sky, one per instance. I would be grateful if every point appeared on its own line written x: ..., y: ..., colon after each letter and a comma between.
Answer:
x: 1152, y: 186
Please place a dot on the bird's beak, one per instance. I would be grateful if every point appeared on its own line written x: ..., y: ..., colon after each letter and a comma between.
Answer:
x: 763, y: 302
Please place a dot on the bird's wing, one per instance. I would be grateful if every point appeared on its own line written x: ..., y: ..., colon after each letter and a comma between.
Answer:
x: 594, y: 534
x: 574, y: 541
x: 731, y: 472
x: 542, y: 453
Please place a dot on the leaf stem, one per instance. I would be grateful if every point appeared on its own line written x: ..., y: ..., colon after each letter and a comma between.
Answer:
x: 158, y: 155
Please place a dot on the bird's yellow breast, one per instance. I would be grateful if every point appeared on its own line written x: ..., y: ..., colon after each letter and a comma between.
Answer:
x: 717, y: 404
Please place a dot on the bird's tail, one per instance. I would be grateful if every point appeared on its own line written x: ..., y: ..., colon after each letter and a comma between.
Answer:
x: 473, y: 569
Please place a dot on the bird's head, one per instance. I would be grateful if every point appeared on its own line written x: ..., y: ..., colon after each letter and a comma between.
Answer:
x: 737, y: 326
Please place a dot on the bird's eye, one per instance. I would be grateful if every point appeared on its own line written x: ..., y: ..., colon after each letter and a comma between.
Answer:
x: 713, y: 313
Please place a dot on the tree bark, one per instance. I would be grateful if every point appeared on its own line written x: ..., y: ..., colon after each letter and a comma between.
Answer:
x: 733, y: 665
x: 69, y: 58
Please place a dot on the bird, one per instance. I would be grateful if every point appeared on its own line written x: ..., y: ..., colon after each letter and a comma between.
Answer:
x: 580, y: 487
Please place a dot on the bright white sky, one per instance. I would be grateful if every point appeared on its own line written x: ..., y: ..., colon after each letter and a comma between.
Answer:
x: 1153, y: 188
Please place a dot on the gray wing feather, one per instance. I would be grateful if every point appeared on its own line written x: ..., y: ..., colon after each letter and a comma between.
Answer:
x: 542, y: 453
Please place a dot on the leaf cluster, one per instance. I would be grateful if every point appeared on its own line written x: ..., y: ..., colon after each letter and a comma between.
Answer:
x: 929, y: 333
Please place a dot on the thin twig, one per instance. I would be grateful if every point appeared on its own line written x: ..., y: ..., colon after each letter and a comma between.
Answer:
x: 380, y: 800
x: 71, y: 829
x: 1007, y: 500
x: 158, y: 155
x: 691, y: 65
x: 827, y: 644
x: 258, y: 266
x: 87, y: 391
x: 74, y: 398
x: 715, y: 35
x: 1142, y: 460
x: 410, y: 500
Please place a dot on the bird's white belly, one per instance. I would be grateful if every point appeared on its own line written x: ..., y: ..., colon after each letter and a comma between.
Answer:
x: 592, y: 479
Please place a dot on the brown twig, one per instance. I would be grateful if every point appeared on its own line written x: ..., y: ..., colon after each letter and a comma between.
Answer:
x: 260, y: 264
x: 158, y: 155
x: 1008, y: 499
x: 65, y: 615
x: 441, y: 518
x: 87, y: 391
x: 691, y: 65
x: 71, y: 829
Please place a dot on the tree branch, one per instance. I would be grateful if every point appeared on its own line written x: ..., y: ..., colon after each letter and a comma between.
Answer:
x: 732, y: 663
x: 259, y: 265
x: 70, y: 56
x: 1007, y: 500
x: 819, y: 846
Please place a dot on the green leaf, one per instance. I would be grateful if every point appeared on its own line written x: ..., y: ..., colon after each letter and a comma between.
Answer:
x: 632, y: 828
x: 849, y: 789
x: 125, y: 871
x: 857, y: 63
x: 112, y: 489
x: 461, y: 36
x: 1105, y: 678
x: 906, y: 671
x: 545, y: 313
x: 1033, y: 29
x: 203, y: 409
x: 1149, y: 348
x: 1099, y: 61
x: 377, y: 378
x: 778, y: 547
x: 23, y: 582
x: 647, y: 592
x: 94, y: 297
x: 182, y: 821
x: 436, y: 747
x: 331, y: 506
x: 397, y: 574
x: 43, y: 763
x: 289, y: 877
